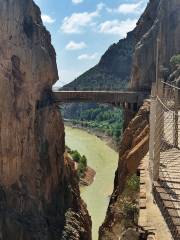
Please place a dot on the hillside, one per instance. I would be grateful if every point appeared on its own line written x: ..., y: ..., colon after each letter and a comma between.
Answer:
x: 113, y: 72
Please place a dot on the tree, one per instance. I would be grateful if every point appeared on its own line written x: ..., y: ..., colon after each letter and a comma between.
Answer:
x: 76, y: 156
x: 83, y: 161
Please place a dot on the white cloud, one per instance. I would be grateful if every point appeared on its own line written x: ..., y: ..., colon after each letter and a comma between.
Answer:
x: 78, y: 21
x: 75, y: 46
x: 88, y: 56
x: 47, y: 19
x: 117, y: 27
x: 128, y: 8
x: 77, y: 1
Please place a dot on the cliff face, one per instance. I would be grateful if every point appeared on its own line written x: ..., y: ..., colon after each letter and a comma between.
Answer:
x: 133, y: 147
x: 113, y: 72
x: 166, y: 28
x: 36, y: 186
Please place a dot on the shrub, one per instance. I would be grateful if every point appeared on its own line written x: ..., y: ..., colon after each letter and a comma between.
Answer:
x: 175, y: 60
x: 83, y: 161
x: 133, y: 183
x: 76, y: 156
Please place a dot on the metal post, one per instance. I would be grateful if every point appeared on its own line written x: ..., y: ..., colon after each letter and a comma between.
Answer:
x: 157, y: 67
x: 175, y: 121
x: 157, y: 140
x: 152, y: 129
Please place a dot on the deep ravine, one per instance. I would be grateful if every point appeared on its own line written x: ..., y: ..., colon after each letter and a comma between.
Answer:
x: 103, y: 160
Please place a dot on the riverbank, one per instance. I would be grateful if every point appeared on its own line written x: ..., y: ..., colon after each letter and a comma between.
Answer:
x: 107, y: 139
x: 85, y: 173
x: 88, y: 177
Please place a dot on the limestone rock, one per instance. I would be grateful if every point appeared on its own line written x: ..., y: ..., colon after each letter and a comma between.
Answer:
x: 166, y: 28
x: 134, y: 146
x: 36, y: 189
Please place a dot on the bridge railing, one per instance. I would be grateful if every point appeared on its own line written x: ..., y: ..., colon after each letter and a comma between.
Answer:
x: 164, y: 125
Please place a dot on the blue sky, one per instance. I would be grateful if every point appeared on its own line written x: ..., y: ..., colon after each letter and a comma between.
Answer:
x: 82, y: 30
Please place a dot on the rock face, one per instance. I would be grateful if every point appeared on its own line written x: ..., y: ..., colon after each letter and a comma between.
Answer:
x: 163, y: 19
x: 38, y: 195
x: 113, y: 72
x: 134, y: 146
x: 166, y: 28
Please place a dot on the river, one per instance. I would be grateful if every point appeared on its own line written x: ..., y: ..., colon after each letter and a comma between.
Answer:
x: 103, y: 160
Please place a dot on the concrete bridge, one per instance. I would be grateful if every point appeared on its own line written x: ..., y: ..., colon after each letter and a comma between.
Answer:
x: 127, y: 99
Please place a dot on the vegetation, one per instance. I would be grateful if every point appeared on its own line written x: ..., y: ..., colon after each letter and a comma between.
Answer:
x: 175, y: 60
x: 129, y: 201
x: 106, y: 119
x: 130, y: 212
x: 81, y: 160
x: 133, y: 183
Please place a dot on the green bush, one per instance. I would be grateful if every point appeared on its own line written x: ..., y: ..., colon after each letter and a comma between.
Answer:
x: 75, y: 156
x: 133, y: 183
x: 175, y: 60
x: 82, y: 166
x: 81, y: 160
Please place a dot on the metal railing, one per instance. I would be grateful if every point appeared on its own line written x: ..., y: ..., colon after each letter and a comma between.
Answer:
x: 165, y: 147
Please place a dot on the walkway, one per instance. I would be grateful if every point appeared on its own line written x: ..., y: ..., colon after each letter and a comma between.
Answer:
x: 150, y: 217
x: 167, y: 190
x: 128, y: 99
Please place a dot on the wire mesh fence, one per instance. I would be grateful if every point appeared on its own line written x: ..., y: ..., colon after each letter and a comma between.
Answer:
x: 165, y: 152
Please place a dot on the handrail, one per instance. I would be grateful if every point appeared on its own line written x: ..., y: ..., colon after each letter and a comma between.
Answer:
x: 170, y: 85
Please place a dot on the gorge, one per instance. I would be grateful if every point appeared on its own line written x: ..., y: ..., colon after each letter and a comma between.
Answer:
x: 39, y: 191
x: 98, y: 154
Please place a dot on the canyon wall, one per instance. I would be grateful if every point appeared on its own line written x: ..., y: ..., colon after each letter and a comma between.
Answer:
x: 39, y: 193
x: 166, y: 28
x: 134, y: 146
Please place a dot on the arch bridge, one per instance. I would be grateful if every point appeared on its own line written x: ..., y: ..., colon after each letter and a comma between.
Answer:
x: 127, y: 99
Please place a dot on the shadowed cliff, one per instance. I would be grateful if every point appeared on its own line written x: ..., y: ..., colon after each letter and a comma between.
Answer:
x: 39, y: 192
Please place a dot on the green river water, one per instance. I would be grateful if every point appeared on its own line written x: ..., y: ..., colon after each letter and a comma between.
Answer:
x: 103, y: 160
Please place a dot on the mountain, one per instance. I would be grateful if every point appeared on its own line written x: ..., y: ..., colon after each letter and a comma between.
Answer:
x: 113, y: 72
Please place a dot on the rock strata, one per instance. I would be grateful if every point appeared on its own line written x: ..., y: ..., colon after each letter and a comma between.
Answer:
x: 38, y: 193
x: 160, y: 23
x: 166, y: 29
x: 134, y: 146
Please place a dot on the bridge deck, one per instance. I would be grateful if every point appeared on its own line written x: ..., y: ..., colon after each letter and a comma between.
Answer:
x: 101, y: 96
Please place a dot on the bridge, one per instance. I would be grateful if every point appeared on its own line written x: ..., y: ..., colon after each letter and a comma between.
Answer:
x: 126, y: 99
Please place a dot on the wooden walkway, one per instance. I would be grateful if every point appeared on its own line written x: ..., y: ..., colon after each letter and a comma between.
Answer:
x: 150, y: 216
x: 167, y: 190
